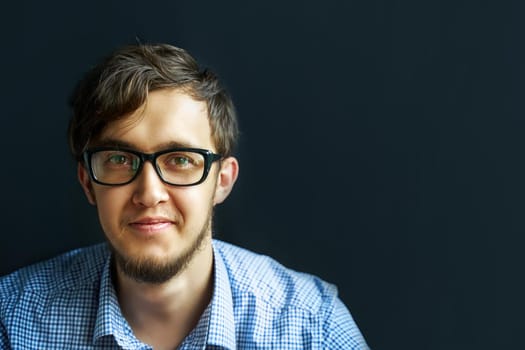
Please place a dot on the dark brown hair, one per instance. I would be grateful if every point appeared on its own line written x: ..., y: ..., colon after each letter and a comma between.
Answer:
x: 120, y: 84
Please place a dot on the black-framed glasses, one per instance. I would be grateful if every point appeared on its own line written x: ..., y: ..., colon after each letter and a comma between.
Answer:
x: 174, y: 166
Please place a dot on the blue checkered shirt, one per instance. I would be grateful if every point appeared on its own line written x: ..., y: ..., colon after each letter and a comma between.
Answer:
x: 69, y: 303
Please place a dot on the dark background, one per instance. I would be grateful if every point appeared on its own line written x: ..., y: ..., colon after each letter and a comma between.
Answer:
x: 381, y: 147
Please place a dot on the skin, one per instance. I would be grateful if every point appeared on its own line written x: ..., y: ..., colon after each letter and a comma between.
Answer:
x: 151, y: 223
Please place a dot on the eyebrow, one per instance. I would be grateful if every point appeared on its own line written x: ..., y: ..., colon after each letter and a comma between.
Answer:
x: 159, y: 147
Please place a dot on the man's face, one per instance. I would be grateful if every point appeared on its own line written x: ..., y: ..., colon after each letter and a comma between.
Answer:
x: 155, y: 229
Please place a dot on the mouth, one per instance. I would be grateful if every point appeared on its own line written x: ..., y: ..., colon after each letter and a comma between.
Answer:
x: 151, y: 225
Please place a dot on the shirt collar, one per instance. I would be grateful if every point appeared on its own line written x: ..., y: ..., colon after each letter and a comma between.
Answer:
x: 110, y: 321
x: 222, y: 323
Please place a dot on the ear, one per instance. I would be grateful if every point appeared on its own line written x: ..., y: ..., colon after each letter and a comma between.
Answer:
x: 226, y: 179
x: 85, y: 182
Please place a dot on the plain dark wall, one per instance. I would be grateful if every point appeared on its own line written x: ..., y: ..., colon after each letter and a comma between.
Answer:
x: 381, y: 147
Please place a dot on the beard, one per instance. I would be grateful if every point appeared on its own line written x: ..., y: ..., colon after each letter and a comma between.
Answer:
x: 145, y: 270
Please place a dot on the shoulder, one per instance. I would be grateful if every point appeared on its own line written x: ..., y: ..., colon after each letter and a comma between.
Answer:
x: 283, y: 307
x: 74, y: 269
x: 273, y: 283
x: 54, y: 302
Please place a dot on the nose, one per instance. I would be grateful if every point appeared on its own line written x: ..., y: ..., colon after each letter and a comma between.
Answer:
x: 149, y: 190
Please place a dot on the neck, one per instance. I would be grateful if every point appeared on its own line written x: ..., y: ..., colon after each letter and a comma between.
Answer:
x: 159, y: 313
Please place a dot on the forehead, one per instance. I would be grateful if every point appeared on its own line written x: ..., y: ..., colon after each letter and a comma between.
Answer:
x: 168, y: 116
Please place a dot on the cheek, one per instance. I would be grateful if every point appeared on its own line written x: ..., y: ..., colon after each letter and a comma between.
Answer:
x: 111, y: 202
x: 192, y: 201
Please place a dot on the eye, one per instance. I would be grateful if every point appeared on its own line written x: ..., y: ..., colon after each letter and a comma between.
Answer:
x: 118, y: 159
x: 182, y: 161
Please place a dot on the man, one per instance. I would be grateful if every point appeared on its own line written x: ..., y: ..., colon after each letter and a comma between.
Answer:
x: 153, y: 136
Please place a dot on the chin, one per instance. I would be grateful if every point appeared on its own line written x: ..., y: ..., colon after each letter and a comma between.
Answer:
x: 155, y: 264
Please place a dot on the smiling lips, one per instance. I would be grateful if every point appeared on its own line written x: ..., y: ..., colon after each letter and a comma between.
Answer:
x: 151, y: 225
